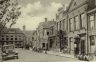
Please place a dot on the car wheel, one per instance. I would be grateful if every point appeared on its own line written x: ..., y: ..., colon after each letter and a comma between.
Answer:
x: 17, y: 57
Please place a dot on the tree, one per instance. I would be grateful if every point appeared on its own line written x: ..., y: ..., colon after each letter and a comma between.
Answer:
x: 9, y: 12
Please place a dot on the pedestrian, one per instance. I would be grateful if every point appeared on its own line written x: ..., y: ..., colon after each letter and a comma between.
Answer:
x: 22, y: 47
x: 45, y: 51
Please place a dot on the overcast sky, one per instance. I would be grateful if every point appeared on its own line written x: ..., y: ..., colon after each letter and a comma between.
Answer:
x: 34, y: 12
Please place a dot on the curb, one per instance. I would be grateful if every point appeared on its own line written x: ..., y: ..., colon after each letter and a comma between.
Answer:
x: 60, y: 55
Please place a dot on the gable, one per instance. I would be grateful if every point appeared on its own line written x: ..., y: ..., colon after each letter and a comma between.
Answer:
x: 75, y: 3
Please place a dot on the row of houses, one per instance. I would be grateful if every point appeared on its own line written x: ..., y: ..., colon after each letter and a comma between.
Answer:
x: 73, y: 29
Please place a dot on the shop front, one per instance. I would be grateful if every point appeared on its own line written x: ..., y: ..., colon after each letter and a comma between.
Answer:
x: 92, y: 44
x: 80, y: 44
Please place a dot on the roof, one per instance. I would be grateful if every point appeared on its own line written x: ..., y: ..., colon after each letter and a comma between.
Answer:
x: 77, y: 2
x: 29, y: 33
x: 48, y: 24
x: 11, y: 30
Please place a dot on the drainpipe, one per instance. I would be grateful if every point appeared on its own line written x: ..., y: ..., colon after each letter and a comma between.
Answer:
x: 87, y: 33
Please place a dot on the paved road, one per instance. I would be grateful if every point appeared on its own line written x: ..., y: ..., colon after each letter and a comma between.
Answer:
x: 29, y: 56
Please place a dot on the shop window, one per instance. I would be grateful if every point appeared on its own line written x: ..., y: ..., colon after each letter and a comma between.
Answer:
x: 92, y: 40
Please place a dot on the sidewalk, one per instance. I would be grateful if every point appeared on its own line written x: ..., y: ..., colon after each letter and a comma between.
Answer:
x: 65, y: 55
x: 60, y: 54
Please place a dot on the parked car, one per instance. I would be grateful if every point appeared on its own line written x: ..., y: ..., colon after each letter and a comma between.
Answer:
x: 1, y: 56
x: 8, y: 51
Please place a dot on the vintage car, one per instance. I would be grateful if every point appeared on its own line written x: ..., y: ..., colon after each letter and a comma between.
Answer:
x: 8, y: 51
x: 1, y: 56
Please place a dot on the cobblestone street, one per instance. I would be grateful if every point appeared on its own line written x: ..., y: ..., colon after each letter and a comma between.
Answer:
x: 28, y: 56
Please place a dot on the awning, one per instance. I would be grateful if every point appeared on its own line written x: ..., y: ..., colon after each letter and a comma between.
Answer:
x: 77, y: 37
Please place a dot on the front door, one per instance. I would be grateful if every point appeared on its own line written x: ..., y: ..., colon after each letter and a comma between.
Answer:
x: 83, y: 47
x: 92, y: 44
x: 71, y: 46
x: 51, y: 43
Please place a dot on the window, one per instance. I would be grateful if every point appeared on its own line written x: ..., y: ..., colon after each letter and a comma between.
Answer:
x: 92, y: 21
x: 7, y: 38
x: 20, y: 39
x: 47, y: 33
x: 19, y: 36
x: 75, y: 3
x: 71, y: 39
x: 43, y: 44
x: 2, y: 38
x: 60, y: 25
x: 71, y: 24
x: 64, y: 25
x: 57, y: 26
x: 95, y: 2
x: 92, y: 40
x: 11, y: 38
x: 82, y: 18
x: 32, y: 38
x: 15, y: 38
x: 77, y: 23
x: 52, y: 29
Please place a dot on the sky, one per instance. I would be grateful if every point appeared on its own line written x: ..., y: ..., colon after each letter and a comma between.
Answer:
x: 34, y: 11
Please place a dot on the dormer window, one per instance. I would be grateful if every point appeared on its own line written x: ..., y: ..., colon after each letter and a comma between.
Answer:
x: 75, y: 4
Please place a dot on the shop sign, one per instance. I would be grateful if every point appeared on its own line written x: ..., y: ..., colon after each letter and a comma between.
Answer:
x: 83, y: 38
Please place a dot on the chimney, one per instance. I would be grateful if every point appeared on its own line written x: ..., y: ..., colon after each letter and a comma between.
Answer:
x: 53, y: 19
x: 46, y: 20
x: 24, y: 27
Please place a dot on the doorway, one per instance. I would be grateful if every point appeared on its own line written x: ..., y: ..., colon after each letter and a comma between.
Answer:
x: 51, y: 43
x: 83, y: 47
